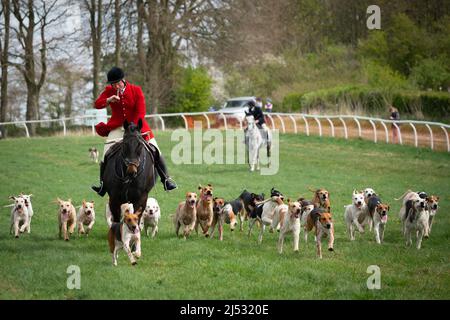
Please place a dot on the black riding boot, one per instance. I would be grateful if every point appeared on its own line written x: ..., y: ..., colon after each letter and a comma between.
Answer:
x: 100, y: 190
x: 161, y: 168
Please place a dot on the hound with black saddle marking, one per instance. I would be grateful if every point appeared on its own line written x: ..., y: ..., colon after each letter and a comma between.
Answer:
x: 268, y: 213
x: 249, y: 201
x: 407, y: 196
x: 19, y: 216
x: 378, y: 213
x: 416, y: 219
x: 224, y: 213
x: 125, y: 235
x: 321, y: 220
x: 306, y: 208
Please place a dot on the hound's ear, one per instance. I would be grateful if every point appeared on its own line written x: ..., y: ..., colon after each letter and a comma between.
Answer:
x: 187, y: 194
x: 389, y: 207
x: 215, y: 198
x: 126, y: 124
x: 70, y: 200
x: 92, y: 202
x: 84, y: 203
x: 200, y: 187
x: 289, y: 200
x: 140, y: 124
x: 12, y: 198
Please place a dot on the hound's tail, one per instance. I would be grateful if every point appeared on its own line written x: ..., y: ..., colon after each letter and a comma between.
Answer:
x: 311, y: 189
x: 172, y: 218
x: 403, y: 195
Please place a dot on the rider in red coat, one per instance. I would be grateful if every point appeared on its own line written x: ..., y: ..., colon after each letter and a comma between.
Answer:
x: 127, y: 102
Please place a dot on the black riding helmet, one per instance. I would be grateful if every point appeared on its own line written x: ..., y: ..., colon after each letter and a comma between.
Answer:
x: 115, y: 75
x: 251, y: 104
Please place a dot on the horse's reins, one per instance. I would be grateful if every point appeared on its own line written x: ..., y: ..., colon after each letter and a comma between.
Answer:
x: 127, y: 179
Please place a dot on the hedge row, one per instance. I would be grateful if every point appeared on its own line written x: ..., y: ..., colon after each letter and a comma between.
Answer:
x: 374, y: 102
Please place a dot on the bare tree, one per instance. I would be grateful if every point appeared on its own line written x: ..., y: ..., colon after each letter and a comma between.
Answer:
x: 34, y: 18
x: 95, y: 9
x: 4, y: 47
x: 117, y: 32
x: 165, y: 30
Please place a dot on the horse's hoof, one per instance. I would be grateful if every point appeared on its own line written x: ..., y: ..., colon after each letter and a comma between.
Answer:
x: 330, y: 249
x: 134, y: 263
x: 17, y: 237
x: 66, y: 239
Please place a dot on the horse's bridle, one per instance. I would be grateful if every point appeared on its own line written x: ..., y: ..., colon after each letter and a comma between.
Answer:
x: 128, y: 162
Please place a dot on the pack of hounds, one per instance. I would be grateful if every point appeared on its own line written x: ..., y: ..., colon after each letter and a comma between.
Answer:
x: 205, y: 211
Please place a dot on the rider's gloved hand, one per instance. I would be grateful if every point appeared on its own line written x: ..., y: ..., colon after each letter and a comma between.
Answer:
x: 102, y: 129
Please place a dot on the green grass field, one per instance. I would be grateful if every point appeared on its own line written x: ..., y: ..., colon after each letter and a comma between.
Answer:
x: 34, y: 266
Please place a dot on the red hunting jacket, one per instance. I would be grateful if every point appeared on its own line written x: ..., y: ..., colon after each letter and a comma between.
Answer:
x: 131, y: 107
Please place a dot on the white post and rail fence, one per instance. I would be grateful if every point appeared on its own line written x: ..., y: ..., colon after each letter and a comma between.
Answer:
x: 433, y: 135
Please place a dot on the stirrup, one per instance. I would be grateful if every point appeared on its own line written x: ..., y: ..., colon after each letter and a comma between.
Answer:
x: 100, y: 190
x: 169, y: 184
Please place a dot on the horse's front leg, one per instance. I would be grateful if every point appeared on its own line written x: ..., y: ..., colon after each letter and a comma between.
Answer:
x: 114, y: 207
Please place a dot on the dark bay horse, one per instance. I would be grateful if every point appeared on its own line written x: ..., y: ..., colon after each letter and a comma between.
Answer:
x: 129, y: 173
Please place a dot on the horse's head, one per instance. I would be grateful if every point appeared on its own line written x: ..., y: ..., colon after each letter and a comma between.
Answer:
x: 250, y: 122
x: 132, y: 146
